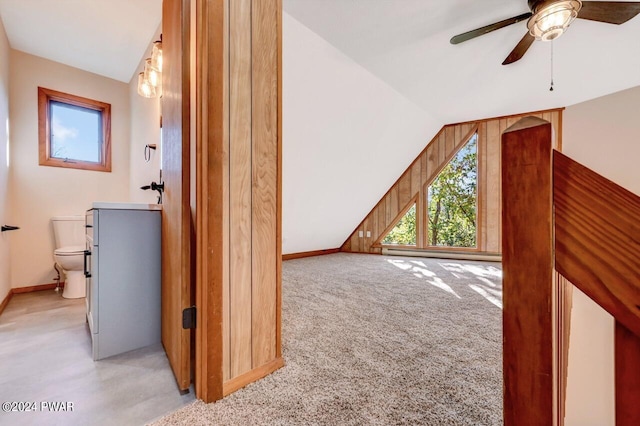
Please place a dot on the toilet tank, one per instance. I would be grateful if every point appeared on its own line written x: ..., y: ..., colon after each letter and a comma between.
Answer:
x: 68, y: 230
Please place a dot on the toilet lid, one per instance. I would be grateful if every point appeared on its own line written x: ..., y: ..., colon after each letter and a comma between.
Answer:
x: 69, y: 250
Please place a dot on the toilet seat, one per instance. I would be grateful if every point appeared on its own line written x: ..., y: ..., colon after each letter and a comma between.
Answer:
x: 69, y: 251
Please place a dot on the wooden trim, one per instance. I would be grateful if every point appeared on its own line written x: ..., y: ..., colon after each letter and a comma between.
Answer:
x: 503, y: 117
x: 449, y: 157
x: 29, y: 289
x: 300, y: 255
x: 528, y: 320
x: 251, y: 376
x: 596, y: 238
x: 425, y: 189
x: 6, y: 300
x: 32, y: 288
x: 279, y: 191
x: 211, y: 140
x: 45, y: 96
x: 627, y: 377
x: 394, y: 222
x: 564, y: 293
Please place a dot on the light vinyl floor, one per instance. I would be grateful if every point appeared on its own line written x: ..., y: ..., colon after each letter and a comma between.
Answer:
x: 45, y: 356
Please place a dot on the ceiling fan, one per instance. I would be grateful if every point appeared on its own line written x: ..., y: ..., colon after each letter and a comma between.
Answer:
x: 549, y: 19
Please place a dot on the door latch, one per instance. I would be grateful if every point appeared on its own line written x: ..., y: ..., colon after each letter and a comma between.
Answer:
x: 189, y: 318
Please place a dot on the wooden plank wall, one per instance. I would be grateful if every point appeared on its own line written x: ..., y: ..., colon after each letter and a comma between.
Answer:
x: 251, y: 303
x: 239, y: 194
x: 251, y: 329
x: 414, y: 183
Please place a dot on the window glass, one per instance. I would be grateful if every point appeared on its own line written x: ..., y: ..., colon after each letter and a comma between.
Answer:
x: 404, y: 233
x: 452, y: 200
x: 76, y: 132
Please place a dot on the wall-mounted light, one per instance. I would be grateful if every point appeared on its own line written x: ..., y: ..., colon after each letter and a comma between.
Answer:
x: 150, y: 80
x: 551, y: 20
x: 145, y: 89
x: 156, y: 54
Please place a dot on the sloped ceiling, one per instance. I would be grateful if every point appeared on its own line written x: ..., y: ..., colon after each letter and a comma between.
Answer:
x: 406, y: 44
x: 106, y: 37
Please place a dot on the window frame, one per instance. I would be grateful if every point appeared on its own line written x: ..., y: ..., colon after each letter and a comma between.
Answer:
x: 427, y: 243
x: 45, y: 97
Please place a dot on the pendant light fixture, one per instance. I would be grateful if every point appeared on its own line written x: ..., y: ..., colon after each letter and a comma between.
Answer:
x: 150, y: 80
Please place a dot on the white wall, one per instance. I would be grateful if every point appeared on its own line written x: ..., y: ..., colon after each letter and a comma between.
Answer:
x: 39, y: 192
x: 145, y: 129
x: 5, y: 237
x: 604, y: 135
x: 347, y: 137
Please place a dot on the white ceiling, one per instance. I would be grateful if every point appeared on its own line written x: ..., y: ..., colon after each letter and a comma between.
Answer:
x: 106, y: 37
x: 405, y: 43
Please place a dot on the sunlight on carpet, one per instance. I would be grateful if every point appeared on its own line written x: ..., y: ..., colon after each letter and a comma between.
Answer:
x: 378, y: 340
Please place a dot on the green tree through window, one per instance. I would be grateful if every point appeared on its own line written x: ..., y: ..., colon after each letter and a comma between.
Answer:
x: 404, y: 233
x: 452, y: 200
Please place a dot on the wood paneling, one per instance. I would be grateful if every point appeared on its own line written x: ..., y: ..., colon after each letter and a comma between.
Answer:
x: 264, y: 36
x: 415, y: 180
x: 596, y: 239
x: 627, y: 374
x: 176, y: 215
x: 240, y: 215
x: 564, y: 303
x: 240, y: 184
x: 528, y: 338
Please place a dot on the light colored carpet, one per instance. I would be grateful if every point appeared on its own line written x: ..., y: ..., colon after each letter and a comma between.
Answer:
x: 377, y: 340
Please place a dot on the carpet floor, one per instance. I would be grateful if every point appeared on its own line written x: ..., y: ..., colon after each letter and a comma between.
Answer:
x: 377, y: 340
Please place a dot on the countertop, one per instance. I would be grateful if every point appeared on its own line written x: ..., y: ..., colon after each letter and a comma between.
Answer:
x: 125, y: 206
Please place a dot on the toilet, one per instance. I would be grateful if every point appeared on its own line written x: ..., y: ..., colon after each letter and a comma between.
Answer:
x: 69, y: 233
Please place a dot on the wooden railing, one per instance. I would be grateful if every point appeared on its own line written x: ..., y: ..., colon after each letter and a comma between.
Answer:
x: 557, y: 213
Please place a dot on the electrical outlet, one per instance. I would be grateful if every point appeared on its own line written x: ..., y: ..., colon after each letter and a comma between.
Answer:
x: 368, y: 234
x: 360, y: 234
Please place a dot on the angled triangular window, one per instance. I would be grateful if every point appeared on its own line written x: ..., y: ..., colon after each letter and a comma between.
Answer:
x: 453, y: 199
x: 404, y: 233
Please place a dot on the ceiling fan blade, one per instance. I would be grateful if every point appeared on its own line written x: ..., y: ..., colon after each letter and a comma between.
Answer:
x: 519, y: 51
x: 487, y: 29
x: 610, y: 12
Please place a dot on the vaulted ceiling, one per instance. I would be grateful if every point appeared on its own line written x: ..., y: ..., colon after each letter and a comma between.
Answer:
x: 403, y: 44
x: 106, y: 37
x: 406, y: 44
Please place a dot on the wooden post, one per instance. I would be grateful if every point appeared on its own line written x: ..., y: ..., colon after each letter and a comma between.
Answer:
x: 627, y: 355
x: 527, y: 258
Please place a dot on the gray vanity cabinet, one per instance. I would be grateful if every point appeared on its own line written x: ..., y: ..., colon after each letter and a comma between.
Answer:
x: 123, y: 269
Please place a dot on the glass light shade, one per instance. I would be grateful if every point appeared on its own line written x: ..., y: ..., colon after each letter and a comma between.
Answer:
x: 145, y: 89
x: 551, y: 21
x: 156, y: 56
x: 153, y: 76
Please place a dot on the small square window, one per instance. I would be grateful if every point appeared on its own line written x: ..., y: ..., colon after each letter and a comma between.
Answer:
x: 74, y: 132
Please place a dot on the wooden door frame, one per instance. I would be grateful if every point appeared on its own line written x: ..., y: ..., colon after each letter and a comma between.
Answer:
x: 211, y: 174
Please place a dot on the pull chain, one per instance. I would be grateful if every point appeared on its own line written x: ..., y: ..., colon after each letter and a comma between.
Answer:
x: 551, y: 88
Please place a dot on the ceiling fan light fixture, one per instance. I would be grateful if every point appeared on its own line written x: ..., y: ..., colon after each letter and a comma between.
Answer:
x: 551, y: 20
